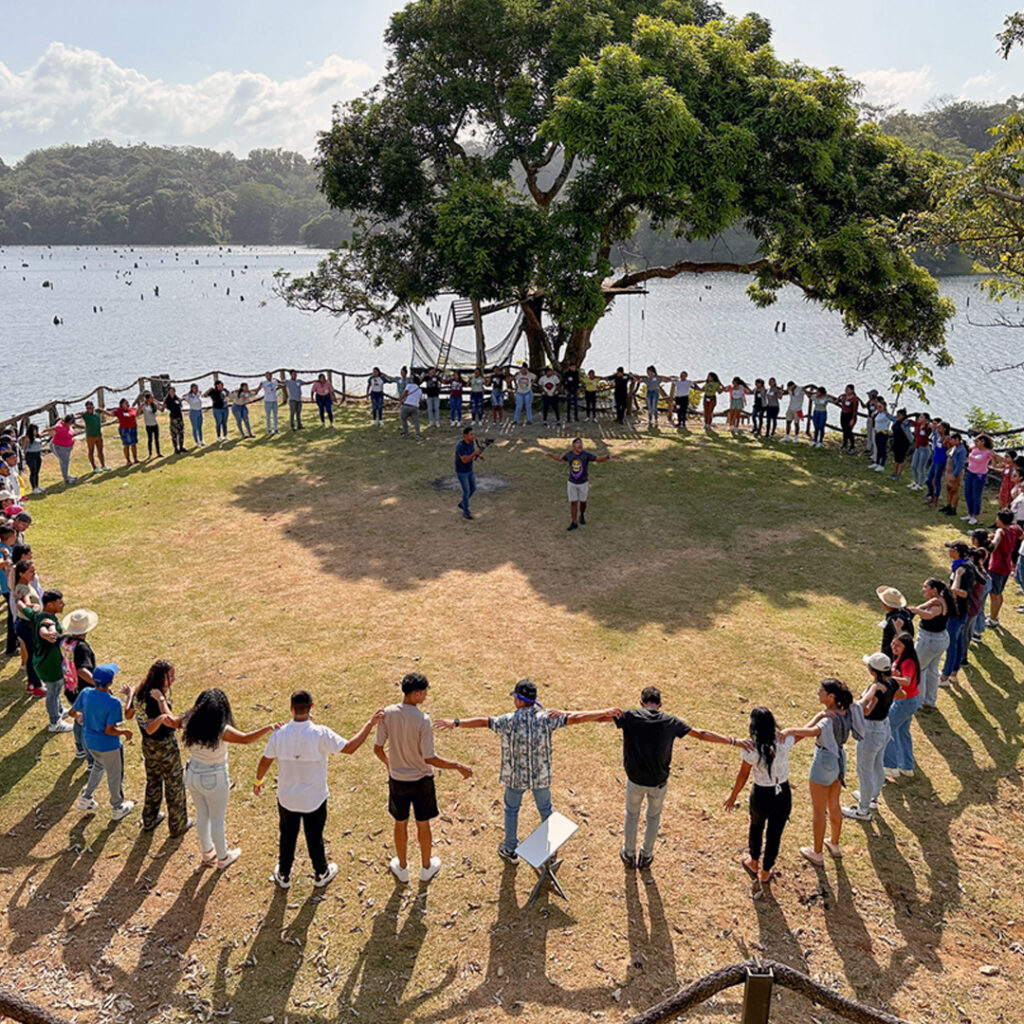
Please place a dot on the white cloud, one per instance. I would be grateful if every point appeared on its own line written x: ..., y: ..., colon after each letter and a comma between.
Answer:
x: 906, y: 90
x: 985, y: 88
x: 74, y: 95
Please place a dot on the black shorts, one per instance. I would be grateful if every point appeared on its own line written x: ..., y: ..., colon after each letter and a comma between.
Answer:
x: 998, y: 581
x: 420, y: 795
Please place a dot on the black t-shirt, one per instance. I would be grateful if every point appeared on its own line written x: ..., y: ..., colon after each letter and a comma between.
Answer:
x: 578, y: 465
x: 647, y: 738
x: 218, y: 398
x: 889, y: 629
x: 571, y: 381
x: 173, y: 406
x: 967, y: 578
x: 432, y: 387
x: 883, y: 700
x: 85, y: 658
x: 146, y: 709
x: 621, y: 388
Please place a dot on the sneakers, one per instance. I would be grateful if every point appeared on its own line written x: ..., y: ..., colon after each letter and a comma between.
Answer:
x: 809, y: 853
x: 402, y: 874
x: 992, y: 623
x: 117, y: 813
x: 629, y: 859
x: 508, y: 856
x: 285, y: 881
x: 80, y: 755
x: 907, y: 772
x: 427, y: 873
x: 573, y: 526
x: 229, y: 859
x: 153, y: 824
x: 38, y: 691
x: 644, y: 861
x: 86, y: 803
x: 321, y: 880
x: 62, y: 725
x: 972, y: 520
x: 38, y: 490
x: 856, y: 813
x: 874, y: 803
x: 966, y: 518
x: 583, y: 519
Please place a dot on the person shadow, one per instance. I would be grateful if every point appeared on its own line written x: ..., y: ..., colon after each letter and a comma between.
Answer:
x: 21, y: 838
x: 14, y: 709
x: 651, y: 975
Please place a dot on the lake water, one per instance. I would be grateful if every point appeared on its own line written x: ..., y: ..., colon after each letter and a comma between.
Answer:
x: 216, y: 310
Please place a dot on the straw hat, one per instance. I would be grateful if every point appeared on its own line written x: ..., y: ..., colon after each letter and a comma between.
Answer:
x: 80, y: 621
x: 891, y: 597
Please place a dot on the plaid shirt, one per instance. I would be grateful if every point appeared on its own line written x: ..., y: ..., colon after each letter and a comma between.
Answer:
x: 526, y: 746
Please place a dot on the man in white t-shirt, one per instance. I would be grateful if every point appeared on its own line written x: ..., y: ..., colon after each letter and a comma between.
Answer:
x: 409, y: 406
x: 301, y: 748
x: 549, y: 383
x: 271, y: 400
x: 523, y: 381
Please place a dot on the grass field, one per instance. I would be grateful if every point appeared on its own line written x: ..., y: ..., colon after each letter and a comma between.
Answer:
x: 729, y: 572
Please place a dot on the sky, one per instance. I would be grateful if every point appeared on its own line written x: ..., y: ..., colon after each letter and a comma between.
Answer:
x: 236, y: 75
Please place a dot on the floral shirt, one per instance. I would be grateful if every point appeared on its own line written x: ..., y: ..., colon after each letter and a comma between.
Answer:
x: 526, y: 746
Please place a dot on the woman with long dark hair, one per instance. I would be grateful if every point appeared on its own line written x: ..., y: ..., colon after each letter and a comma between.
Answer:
x: 831, y: 728
x: 906, y: 671
x: 32, y: 446
x: 160, y: 752
x: 932, y: 636
x: 209, y: 727
x: 875, y: 702
x: 771, y: 801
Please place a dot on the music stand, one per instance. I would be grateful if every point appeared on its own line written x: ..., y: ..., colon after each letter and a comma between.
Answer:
x: 540, y: 849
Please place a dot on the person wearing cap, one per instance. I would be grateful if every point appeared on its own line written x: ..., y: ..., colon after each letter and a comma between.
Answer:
x: 526, y: 753
x: 78, y: 660
x: 100, y: 714
x: 405, y: 744
x: 523, y: 383
x: 961, y: 582
x: 875, y: 703
x: 898, y: 618
x: 47, y: 661
x: 578, y: 487
x: 301, y: 748
x: 549, y: 384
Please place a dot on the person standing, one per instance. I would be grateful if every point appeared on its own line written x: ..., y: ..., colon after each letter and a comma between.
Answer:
x: 301, y: 748
x: 757, y: 415
x: 455, y: 399
x: 62, y: 442
x: 149, y: 409
x: 938, y: 463
x: 870, y: 412
x: 409, y: 407
x: 7, y: 536
x: 432, y: 389
x: 898, y: 617
x: 526, y: 753
x: 977, y: 473
x: 240, y: 399
x: 79, y: 662
x: 906, y: 671
x: 820, y: 400
x: 323, y: 395
x: 681, y: 396
x: 46, y: 654
x: 902, y: 439
x: 772, y: 399
x: 175, y: 421
x: 293, y: 389
x: 932, y: 637
x: 883, y: 426
x: 920, y: 461
x: 194, y: 401
x: 578, y: 487
x: 93, y: 438
x: 549, y: 384
x: 590, y: 384
x: 466, y: 454
x: 1004, y: 545
x: 405, y: 744
x: 523, y: 384
x: 34, y: 456
x: 620, y: 392
x: 849, y: 404
x: 100, y: 714
x: 128, y: 429
x: 875, y: 703
x: 794, y: 411
x: 955, y: 468
x: 271, y: 401
x: 771, y: 800
x: 160, y: 751
x: 375, y: 389
x: 218, y: 396
x: 571, y: 386
x: 497, y: 397
x: 648, y: 735
x: 961, y: 583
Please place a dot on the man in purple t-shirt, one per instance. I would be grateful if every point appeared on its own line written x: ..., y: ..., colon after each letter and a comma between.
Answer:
x: 579, y: 460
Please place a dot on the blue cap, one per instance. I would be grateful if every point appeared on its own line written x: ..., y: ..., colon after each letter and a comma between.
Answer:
x: 103, y: 675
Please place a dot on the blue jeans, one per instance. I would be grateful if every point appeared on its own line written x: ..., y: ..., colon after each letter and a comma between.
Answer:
x: 919, y: 465
x: 80, y: 747
x: 870, y: 770
x: 819, y: 419
x: 524, y: 404
x: 455, y: 405
x: 209, y: 787
x: 974, y: 484
x: 377, y: 405
x: 634, y: 801
x: 54, y: 708
x: 325, y: 407
x: 652, y: 413
x: 513, y: 801
x: 434, y: 410
x: 476, y: 405
x: 220, y: 421
x: 900, y: 751
x: 270, y: 413
x: 930, y: 648
x: 935, y: 475
x: 468, y: 483
x: 572, y: 406
x: 956, y: 628
x: 241, y: 413
x: 195, y: 417
x: 977, y: 626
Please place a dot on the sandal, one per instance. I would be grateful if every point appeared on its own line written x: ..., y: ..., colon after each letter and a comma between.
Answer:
x: 748, y: 863
x: 808, y: 853
x: 765, y: 877
x: 834, y: 849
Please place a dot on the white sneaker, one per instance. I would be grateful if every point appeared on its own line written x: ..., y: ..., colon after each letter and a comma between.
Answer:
x: 402, y: 874
x: 872, y: 805
x: 282, y: 881
x: 38, y: 490
x: 872, y: 465
x: 321, y: 880
x: 62, y: 725
x: 123, y: 811
x: 86, y: 803
x: 856, y: 813
x: 426, y: 874
x: 972, y: 520
x: 229, y: 859
x: 965, y: 519
x: 72, y: 480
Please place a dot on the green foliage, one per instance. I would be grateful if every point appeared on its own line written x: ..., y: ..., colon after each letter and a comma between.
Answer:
x: 107, y: 194
x: 981, y: 422
x: 1012, y: 34
x: 912, y: 377
x: 513, y: 144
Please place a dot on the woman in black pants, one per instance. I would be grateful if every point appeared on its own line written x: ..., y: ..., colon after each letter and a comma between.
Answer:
x: 32, y: 446
x: 771, y: 801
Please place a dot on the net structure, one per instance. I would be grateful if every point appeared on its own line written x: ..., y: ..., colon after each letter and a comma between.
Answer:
x: 432, y: 349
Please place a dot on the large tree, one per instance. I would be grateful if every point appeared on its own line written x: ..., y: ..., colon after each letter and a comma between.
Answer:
x: 513, y: 143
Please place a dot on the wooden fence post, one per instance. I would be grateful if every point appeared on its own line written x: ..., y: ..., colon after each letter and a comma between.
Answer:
x: 343, y: 387
x: 757, y: 996
x: 100, y: 400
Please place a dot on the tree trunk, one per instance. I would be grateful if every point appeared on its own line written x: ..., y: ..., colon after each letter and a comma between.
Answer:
x: 536, y: 338
x: 578, y: 347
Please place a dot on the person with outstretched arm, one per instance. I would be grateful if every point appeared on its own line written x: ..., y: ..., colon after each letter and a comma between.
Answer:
x: 578, y: 486
x: 526, y: 753
x: 466, y: 454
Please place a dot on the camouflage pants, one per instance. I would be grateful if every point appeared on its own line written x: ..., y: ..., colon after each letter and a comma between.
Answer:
x: 177, y: 425
x: 164, y: 778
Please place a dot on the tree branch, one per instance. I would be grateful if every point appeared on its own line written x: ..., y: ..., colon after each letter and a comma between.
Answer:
x: 556, y: 186
x: 689, y: 267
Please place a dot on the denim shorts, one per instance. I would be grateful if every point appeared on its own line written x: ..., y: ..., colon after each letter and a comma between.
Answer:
x: 998, y: 581
x: 129, y: 435
x: 826, y: 767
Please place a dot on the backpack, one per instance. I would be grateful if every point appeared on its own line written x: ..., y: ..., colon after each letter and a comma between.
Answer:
x: 67, y: 656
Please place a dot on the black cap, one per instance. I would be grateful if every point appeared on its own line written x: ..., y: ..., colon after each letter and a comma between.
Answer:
x: 525, y: 688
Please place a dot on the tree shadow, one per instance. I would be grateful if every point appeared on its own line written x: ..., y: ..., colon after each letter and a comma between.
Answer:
x: 652, y: 957
x: 725, y: 548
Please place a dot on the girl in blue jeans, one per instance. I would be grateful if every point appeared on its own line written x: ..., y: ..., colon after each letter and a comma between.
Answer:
x: 819, y: 417
x: 899, y: 754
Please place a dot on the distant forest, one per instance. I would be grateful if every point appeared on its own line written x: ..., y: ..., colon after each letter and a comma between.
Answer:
x: 102, y: 194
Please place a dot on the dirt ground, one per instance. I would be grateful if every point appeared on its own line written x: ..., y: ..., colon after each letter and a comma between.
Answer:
x: 728, y: 572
